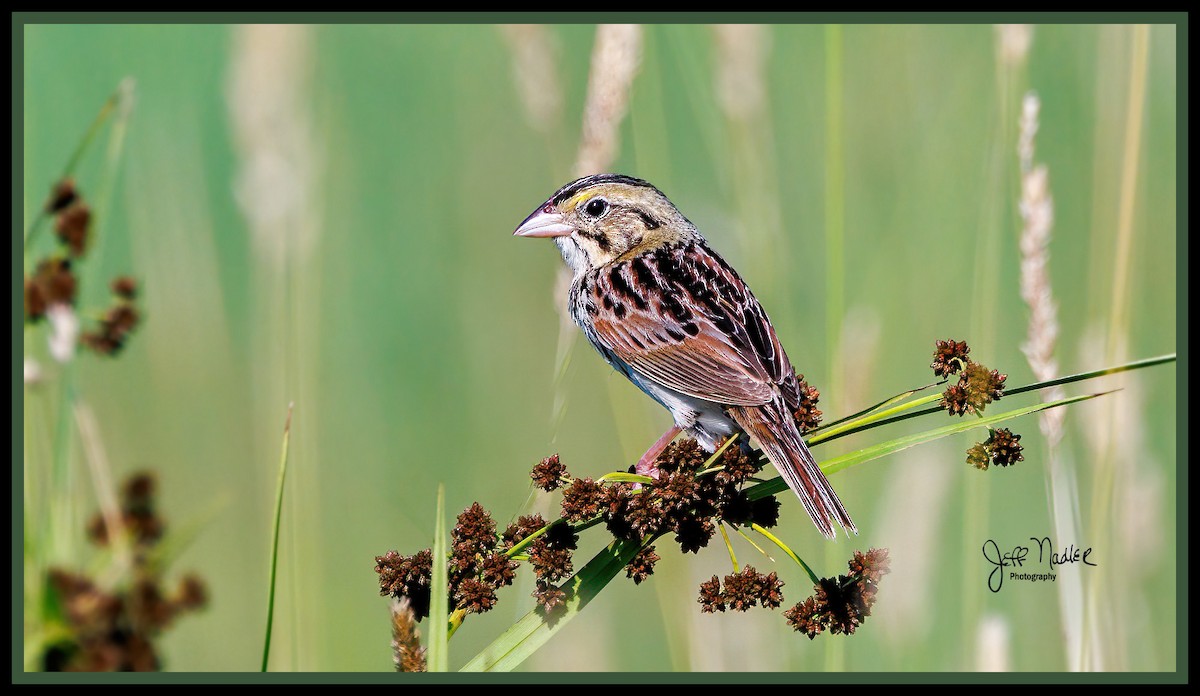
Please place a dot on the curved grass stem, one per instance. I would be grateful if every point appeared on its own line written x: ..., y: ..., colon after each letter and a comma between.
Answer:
x: 729, y: 547
x: 784, y: 547
x: 283, y: 458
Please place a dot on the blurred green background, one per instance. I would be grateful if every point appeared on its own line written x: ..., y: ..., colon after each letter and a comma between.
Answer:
x: 324, y: 215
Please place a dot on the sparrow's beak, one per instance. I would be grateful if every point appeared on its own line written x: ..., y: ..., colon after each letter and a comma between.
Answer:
x: 545, y: 222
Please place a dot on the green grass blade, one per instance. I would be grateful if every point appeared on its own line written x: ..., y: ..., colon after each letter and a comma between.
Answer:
x: 624, y: 477
x: 283, y: 457
x: 905, y: 411
x: 786, y: 549
x: 729, y: 548
x: 742, y: 531
x: 521, y: 545
x: 871, y: 409
x: 875, y: 419
x: 866, y: 454
x: 439, y: 602
x: 532, y: 631
x: 1135, y: 365
x: 88, y: 136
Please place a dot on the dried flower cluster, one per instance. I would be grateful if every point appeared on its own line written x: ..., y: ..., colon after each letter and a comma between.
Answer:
x: 949, y: 357
x: 138, y: 516
x: 407, y: 577
x: 549, y: 474
x: 114, y: 629
x: 642, y: 565
x: 1004, y: 447
x: 478, y: 566
x: 118, y: 321
x: 54, y: 282
x: 807, y: 415
x: 841, y: 604
x: 685, y: 501
x: 977, y: 387
x: 741, y: 591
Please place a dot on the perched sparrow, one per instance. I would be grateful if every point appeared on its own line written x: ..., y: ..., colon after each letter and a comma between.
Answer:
x: 667, y: 312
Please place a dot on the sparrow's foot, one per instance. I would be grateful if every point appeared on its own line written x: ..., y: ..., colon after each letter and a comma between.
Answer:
x: 645, y: 465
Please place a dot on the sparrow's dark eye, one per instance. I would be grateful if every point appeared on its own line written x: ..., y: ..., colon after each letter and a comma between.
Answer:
x: 596, y: 207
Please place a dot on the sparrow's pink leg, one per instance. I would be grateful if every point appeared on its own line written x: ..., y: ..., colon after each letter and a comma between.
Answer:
x: 645, y: 465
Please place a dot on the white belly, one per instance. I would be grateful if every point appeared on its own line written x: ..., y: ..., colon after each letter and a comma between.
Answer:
x: 701, y: 419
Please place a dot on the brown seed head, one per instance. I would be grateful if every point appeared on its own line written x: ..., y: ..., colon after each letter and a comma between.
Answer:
x: 711, y: 599
x: 62, y: 194
x: 72, y: 225
x: 949, y: 357
x: 582, y: 500
x: 1004, y: 447
x: 548, y: 596
x: 549, y: 474
x: 807, y: 415
x: 124, y: 287
x: 642, y: 565
x: 977, y: 456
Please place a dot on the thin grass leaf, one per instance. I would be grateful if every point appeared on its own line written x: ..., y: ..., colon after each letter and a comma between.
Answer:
x: 872, y: 419
x: 283, y: 457
x: 520, y: 546
x: 742, y: 531
x: 720, y: 450
x: 871, y: 409
x: 533, y: 630
x: 897, y: 414
x: 439, y: 635
x: 1078, y: 377
x: 866, y: 454
x: 623, y: 477
x: 88, y: 136
x: 729, y: 547
x: 786, y: 549
x: 112, y: 165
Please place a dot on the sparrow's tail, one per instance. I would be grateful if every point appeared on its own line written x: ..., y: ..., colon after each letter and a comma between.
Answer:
x: 774, y: 429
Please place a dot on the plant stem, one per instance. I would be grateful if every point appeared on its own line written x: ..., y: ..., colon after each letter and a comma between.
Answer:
x: 283, y: 457
x: 77, y: 155
x: 784, y: 547
x: 729, y: 547
x: 439, y: 600
x: 890, y: 416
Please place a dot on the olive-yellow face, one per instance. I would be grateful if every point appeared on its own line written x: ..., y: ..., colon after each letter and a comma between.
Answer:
x: 602, y: 219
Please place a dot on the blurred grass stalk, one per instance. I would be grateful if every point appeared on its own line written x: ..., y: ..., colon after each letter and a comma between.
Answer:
x: 740, y: 57
x: 1011, y: 51
x: 1037, y: 214
x: 534, y: 54
x: 1106, y: 618
x: 277, y: 519
x: 615, y: 62
x: 52, y: 502
x: 835, y: 261
x: 278, y: 189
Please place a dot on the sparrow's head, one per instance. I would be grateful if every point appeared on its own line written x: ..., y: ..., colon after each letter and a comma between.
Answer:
x: 604, y: 218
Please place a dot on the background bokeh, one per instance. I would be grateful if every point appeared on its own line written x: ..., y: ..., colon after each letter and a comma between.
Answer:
x: 323, y: 215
